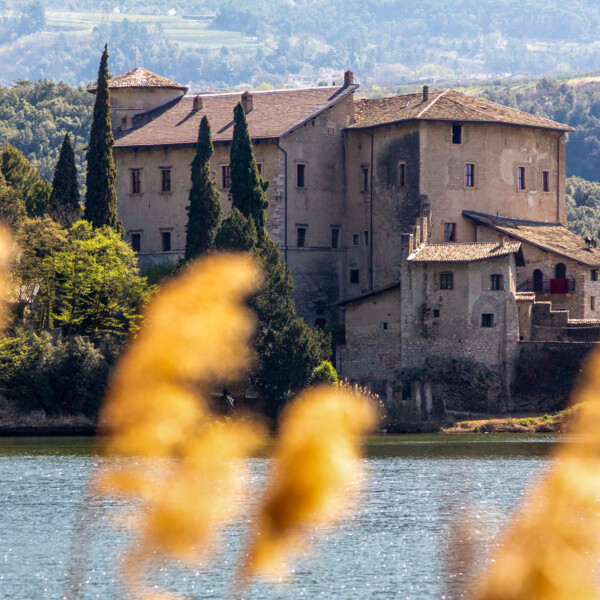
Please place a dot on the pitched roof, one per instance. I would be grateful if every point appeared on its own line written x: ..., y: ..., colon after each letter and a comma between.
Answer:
x: 552, y: 237
x: 463, y: 252
x: 274, y: 114
x: 368, y: 295
x: 446, y: 105
x: 141, y: 78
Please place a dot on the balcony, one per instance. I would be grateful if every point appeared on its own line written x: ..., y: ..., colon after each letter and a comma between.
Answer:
x: 547, y: 286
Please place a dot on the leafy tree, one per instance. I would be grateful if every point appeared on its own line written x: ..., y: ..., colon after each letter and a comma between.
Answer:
x: 101, y: 196
x: 204, y: 210
x: 64, y: 200
x: 324, y: 373
x: 247, y: 186
x: 12, y: 207
x: 287, y: 349
x: 24, y: 178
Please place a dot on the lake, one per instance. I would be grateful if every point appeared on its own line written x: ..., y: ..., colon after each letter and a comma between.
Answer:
x: 400, y: 543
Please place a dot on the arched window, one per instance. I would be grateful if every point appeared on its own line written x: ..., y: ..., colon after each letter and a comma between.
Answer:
x: 538, y: 281
x: 560, y: 271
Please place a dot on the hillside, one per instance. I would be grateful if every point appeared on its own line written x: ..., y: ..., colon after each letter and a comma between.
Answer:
x: 226, y: 42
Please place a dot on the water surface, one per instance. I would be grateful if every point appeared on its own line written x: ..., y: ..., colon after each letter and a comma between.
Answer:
x: 400, y: 543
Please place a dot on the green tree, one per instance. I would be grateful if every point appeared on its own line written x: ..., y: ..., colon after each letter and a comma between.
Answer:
x: 247, y: 186
x: 287, y: 349
x: 12, y: 207
x: 24, y: 178
x: 64, y: 200
x: 101, y: 196
x: 204, y: 210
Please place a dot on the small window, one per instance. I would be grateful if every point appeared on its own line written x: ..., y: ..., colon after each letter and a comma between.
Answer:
x: 136, y: 182
x: 124, y: 123
x: 450, y: 232
x: 594, y: 274
x: 165, y: 180
x: 384, y: 325
x: 446, y: 281
x: 560, y: 271
x: 366, y: 237
x: 335, y: 237
x: 330, y: 130
x: 166, y: 240
x: 456, y: 133
x: 402, y: 175
x: 546, y: 181
x: 469, y: 175
x: 301, y: 242
x: 496, y: 282
x: 225, y: 177
x: 136, y: 242
x: 354, y: 276
x: 592, y: 302
x: 259, y: 167
x: 520, y: 178
x: 436, y: 312
x: 487, y: 320
x: 356, y: 239
x: 365, y: 179
x: 300, y: 175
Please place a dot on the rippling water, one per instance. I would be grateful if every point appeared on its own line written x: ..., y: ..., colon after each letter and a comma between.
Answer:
x: 401, y: 542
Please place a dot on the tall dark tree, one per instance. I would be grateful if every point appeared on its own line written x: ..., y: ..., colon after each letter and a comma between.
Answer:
x: 64, y: 200
x: 101, y: 196
x: 204, y: 210
x: 247, y: 186
x: 287, y: 349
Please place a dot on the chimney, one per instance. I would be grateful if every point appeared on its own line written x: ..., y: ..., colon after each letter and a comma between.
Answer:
x: 348, y: 78
x: 501, y: 236
x: 425, y: 93
x: 247, y: 101
x: 197, y: 102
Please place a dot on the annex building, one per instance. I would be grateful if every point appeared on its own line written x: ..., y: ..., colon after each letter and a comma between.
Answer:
x: 431, y: 224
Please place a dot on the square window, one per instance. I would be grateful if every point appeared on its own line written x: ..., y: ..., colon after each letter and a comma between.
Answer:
x: 446, y: 281
x: 594, y: 274
x: 335, y: 237
x: 356, y: 239
x: 402, y: 175
x: 487, y: 320
x: 165, y: 180
x: 166, y: 240
x: 136, y: 182
x: 384, y: 325
x: 450, y: 232
x: 301, y: 241
x: 366, y: 237
x: 496, y: 282
x: 225, y: 177
x: 436, y: 312
x: 136, y: 242
x: 520, y: 178
x: 354, y: 276
x: 365, y: 179
x: 300, y: 175
x: 456, y: 133
x: 546, y: 181
x: 469, y: 175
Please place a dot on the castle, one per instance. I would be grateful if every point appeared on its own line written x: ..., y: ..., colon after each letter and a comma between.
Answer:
x: 431, y: 224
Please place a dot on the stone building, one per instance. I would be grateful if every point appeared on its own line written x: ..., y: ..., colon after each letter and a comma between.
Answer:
x: 378, y: 205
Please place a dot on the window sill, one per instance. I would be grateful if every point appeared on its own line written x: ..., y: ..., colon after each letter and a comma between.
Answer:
x: 136, y: 194
x: 165, y: 193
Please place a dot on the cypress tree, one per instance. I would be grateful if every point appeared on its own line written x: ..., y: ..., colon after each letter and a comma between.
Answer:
x: 101, y: 196
x: 287, y: 349
x: 204, y: 210
x: 247, y: 186
x: 64, y: 200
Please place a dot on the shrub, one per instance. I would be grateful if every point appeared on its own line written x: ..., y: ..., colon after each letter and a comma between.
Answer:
x: 324, y: 373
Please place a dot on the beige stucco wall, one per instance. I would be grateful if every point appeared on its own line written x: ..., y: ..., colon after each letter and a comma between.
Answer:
x: 371, y: 354
x: 127, y: 102
x: 496, y: 150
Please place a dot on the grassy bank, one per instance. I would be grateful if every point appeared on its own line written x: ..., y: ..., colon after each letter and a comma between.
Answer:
x: 547, y: 423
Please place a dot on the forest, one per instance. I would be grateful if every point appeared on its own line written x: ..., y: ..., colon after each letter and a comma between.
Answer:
x: 223, y: 43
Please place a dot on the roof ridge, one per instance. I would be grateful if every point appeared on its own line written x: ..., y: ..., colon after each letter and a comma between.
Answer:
x: 316, y: 87
x: 432, y: 103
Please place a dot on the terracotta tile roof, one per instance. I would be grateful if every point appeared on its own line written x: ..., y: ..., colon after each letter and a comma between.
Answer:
x: 274, y: 114
x: 463, y: 252
x: 446, y: 105
x: 552, y: 237
x: 141, y: 78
